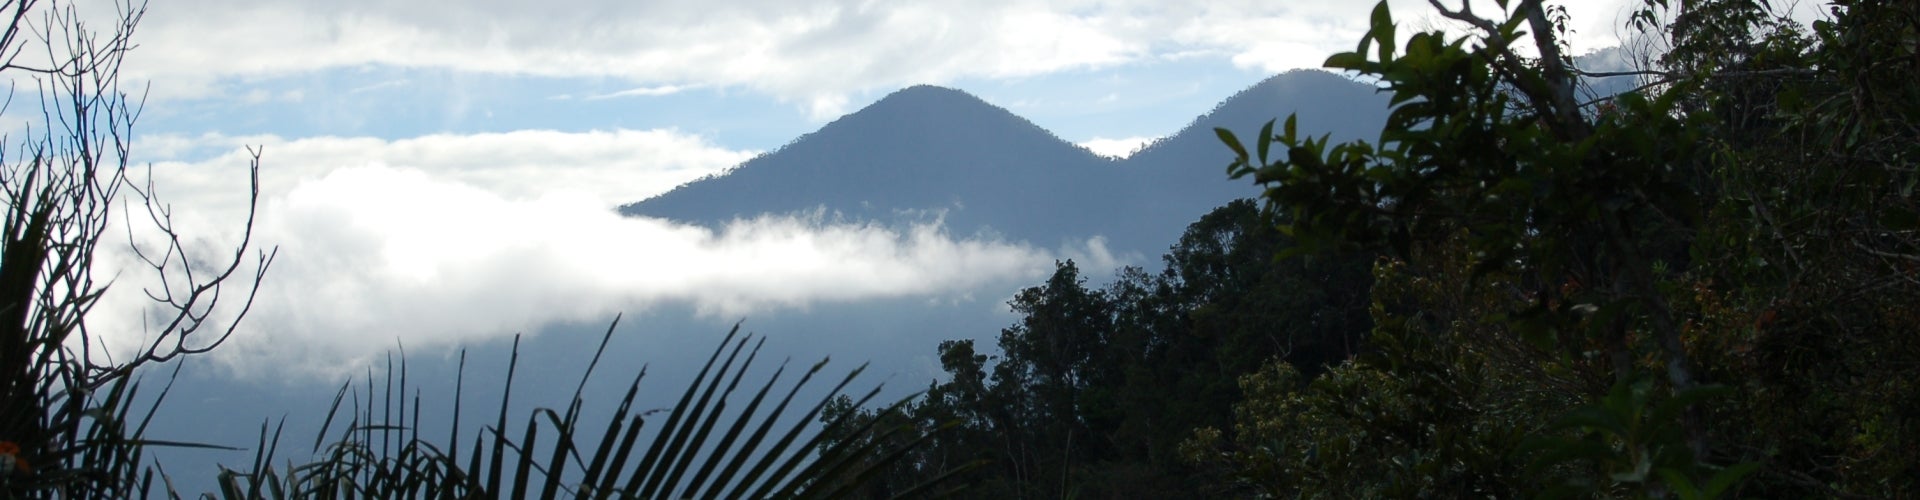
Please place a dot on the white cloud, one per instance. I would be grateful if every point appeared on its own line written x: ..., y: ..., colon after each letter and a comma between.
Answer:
x: 811, y: 52
x: 605, y: 167
x: 1116, y: 148
x: 444, y: 239
x: 654, y: 91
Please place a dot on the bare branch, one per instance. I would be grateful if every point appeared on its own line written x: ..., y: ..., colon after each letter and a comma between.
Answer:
x: 1609, y: 74
x: 60, y: 188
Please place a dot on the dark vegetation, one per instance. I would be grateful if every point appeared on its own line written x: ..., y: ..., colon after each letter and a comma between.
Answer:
x: 70, y: 426
x: 1706, y: 287
x: 1094, y: 390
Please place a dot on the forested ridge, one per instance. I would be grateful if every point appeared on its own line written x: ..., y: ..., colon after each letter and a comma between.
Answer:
x: 1706, y: 287
x: 1095, y: 388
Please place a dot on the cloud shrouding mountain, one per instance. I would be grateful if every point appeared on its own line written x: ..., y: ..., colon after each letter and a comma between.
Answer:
x: 438, y: 240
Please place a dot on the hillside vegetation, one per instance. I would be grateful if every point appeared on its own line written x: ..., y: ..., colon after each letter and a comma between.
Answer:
x: 1705, y: 287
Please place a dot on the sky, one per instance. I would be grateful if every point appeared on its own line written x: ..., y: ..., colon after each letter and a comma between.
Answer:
x: 439, y: 172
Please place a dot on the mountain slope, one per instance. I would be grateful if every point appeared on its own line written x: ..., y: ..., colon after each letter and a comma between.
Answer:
x: 922, y: 148
x: 1183, y: 176
x: 931, y: 148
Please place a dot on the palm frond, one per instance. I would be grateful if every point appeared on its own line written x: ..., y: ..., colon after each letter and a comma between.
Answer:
x: 701, y: 450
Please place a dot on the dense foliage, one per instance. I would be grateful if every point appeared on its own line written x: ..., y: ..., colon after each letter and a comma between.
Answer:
x: 1095, y: 388
x: 1707, y: 286
x: 1703, y: 287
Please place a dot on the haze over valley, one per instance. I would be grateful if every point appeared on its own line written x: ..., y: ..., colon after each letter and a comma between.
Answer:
x: 902, y: 224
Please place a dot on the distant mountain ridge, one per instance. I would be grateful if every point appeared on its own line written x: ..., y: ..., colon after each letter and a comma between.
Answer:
x: 1188, y: 169
x: 987, y: 170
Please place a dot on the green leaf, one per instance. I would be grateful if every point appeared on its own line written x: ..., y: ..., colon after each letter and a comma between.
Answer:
x: 1682, y: 486
x: 1266, y: 139
x: 1726, y: 478
x: 1383, y: 30
x: 1594, y: 417
x: 1346, y: 60
x: 1233, y: 143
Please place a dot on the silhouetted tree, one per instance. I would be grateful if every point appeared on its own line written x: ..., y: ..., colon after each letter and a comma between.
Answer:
x: 68, y: 427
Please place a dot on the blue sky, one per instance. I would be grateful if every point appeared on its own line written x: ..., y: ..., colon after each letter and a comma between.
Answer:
x: 1139, y: 100
x: 743, y: 74
x: 438, y: 172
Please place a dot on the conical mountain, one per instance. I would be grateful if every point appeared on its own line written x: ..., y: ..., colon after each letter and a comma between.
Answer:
x: 929, y: 148
x: 914, y: 152
x: 1183, y: 176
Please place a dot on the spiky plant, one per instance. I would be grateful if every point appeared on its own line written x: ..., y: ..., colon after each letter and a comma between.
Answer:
x: 699, y: 450
x: 68, y: 428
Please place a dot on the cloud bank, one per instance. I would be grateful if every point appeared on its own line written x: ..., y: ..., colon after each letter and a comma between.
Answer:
x: 439, y: 240
x: 608, y: 166
x: 812, y: 52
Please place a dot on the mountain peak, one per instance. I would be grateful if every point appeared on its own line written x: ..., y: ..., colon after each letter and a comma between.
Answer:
x: 921, y: 149
x: 931, y: 101
x: 939, y: 120
x: 928, y: 90
x: 929, y: 149
x: 1323, y: 100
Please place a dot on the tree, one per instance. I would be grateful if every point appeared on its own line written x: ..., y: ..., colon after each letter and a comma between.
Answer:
x: 1094, y: 388
x: 1440, y: 402
x: 68, y: 423
x: 1740, y: 225
x: 1485, y: 140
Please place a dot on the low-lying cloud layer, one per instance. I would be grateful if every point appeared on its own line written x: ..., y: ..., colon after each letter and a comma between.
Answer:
x: 438, y: 240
